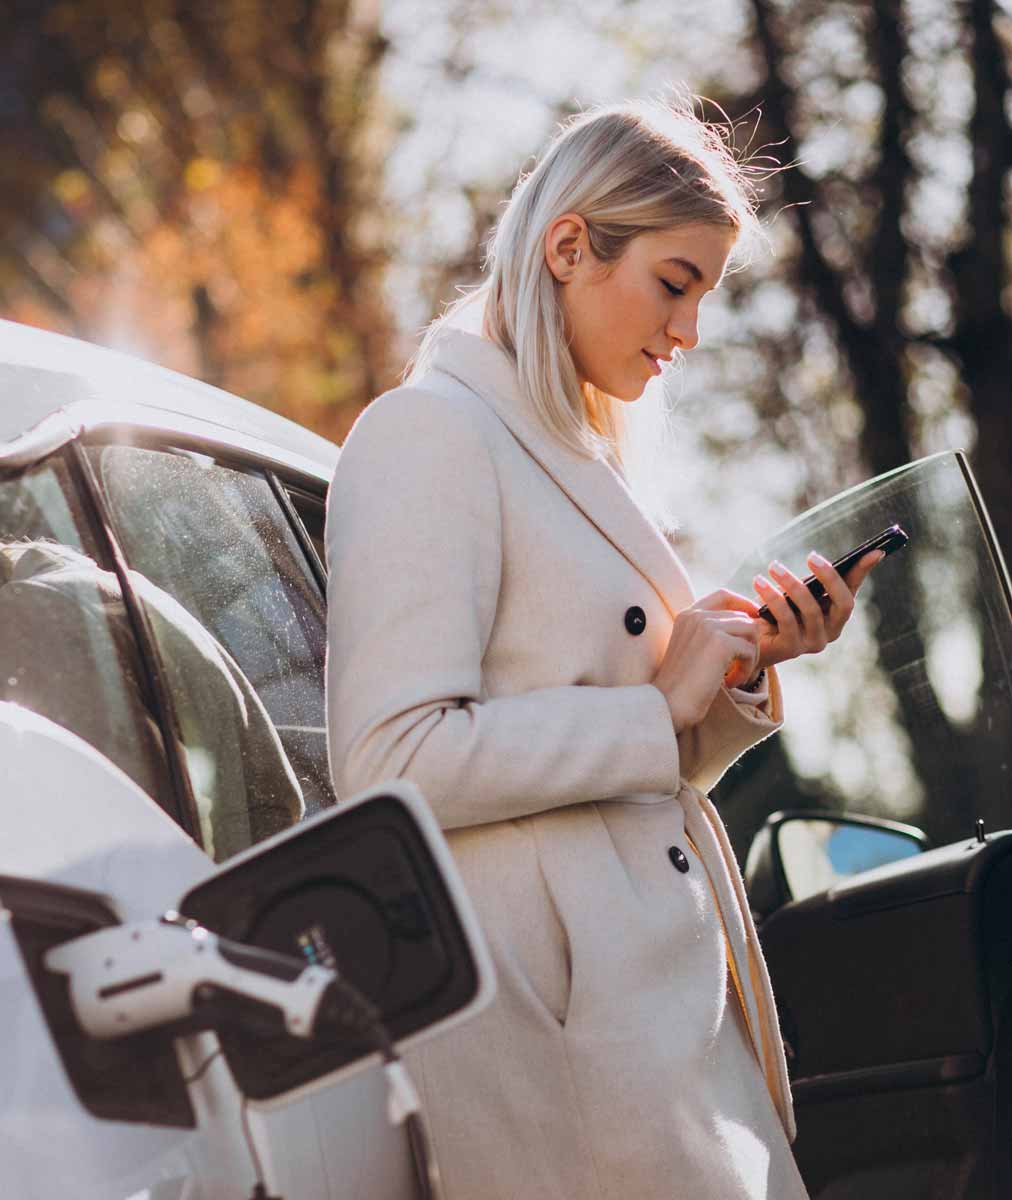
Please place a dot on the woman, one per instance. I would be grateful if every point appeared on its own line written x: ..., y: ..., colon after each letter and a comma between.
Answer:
x: 509, y: 631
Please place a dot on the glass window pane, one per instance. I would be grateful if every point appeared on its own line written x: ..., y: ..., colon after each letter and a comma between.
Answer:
x: 312, y: 514
x: 909, y: 714
x: 216, y: 541
x: 67, y: 649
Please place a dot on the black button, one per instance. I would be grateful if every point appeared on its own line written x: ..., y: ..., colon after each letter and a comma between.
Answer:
x: 678, y: 859
x: 635, y: 620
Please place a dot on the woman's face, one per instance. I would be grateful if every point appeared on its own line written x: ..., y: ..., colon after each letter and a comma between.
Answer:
x: 623, y: 320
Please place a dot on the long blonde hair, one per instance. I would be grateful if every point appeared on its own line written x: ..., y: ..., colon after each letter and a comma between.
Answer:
x: 626, y: 169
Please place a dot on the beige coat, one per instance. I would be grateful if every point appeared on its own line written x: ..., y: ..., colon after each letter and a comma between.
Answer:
x: 480, y: 578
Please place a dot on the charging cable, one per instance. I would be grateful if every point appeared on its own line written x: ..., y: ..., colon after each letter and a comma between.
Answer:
x: 176, y: 975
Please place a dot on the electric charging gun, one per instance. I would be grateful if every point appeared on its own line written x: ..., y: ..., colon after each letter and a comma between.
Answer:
x: 176, y: 975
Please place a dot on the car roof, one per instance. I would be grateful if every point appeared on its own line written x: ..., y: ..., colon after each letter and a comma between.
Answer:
x: 43, y: 374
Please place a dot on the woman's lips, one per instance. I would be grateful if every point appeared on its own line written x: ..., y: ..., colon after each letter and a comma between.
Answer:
x: 655, y: 366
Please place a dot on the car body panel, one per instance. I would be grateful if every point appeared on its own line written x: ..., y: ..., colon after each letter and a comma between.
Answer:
x: 135, y: 389
x: 336, y: 1133
x: 73, y: 789
x: 337, y: 1142
x: 894, y: 985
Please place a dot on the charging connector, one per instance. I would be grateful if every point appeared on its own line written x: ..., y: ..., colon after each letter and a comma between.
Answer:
x: 178, y: 977
x: 174, y: 973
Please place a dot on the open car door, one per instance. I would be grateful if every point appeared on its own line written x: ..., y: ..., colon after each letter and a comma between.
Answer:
x: 895, y: 984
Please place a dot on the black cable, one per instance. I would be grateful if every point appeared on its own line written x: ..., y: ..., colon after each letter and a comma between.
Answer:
x: 201, y: 1071
x: 258, y: 1166
x: 426, y: 1170
x: 344, y: 1010
x: 259, y: 1191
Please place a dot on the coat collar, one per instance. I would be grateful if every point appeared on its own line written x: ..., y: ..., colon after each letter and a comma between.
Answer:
x: 594, y: 486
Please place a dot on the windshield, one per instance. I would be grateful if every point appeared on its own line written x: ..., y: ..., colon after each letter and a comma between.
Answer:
x: 908, y: 715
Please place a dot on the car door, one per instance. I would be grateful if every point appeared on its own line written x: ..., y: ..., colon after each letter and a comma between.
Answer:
x: 895, y: 986
x: 162, y: 599
x: 218, y: 540
x: 75, y: 698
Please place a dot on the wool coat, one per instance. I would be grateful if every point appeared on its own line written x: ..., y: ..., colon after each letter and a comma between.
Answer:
x: 481, y: 645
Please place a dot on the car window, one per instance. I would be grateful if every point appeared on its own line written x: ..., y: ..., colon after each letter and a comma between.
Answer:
x: 311, y: 511
x: 215, y: 542
x: 67, y: 647
x: 909, y: 715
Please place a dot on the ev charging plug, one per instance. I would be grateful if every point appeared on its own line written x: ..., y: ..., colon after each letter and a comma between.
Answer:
x: 174, y: 973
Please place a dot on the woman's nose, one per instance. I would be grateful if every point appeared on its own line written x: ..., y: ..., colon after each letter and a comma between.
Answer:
x: 683, y: 328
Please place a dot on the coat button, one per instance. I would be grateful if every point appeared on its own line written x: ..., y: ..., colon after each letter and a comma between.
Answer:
x: 635, y: 620
x: 678, y: 859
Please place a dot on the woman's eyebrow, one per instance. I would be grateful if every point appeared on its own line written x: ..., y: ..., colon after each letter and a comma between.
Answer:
x: 691, y: 267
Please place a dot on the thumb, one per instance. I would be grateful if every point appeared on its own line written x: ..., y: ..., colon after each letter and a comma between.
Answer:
x: 724, y: 600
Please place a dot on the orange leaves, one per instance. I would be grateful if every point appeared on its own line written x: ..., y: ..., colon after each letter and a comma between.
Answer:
x: 209, y: 214
x: 73, y: 189
x: 202, y: 174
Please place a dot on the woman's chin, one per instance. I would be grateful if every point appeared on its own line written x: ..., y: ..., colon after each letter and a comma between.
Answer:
x: 631, y: 393
x: 627, y: 389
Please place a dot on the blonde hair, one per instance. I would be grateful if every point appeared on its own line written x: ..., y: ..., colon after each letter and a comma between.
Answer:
x: 626, y: 169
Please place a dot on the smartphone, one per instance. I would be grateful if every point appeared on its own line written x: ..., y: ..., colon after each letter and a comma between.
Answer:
x: 893, y: 538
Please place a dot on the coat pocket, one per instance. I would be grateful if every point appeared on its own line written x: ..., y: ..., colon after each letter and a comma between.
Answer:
x: 553, y: 978
x: 501, y: 868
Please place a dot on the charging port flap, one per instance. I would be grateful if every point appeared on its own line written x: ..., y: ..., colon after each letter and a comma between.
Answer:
x: 368, y: 889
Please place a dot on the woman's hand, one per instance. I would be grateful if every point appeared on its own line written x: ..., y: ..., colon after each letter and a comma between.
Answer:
x: 717, y: 636
x: 813, y: 626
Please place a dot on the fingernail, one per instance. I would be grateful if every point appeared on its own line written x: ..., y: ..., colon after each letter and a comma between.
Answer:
x: 815, y: 557
x: 762, y: 584
x: 778, y: 568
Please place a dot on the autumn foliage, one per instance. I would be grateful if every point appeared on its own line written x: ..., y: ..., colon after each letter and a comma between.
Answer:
x: 196, y: 184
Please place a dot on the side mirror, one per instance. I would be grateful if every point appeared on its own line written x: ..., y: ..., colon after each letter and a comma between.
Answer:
x: 799, y: 853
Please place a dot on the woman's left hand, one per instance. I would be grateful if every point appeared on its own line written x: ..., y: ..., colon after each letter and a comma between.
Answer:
x: 812, y: 627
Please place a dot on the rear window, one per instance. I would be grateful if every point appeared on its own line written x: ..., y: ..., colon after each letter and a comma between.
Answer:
x: 228, y: 582
x: 67, y: 648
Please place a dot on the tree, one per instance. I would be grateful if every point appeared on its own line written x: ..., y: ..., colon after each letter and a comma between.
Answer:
x: 875, y: 334
x: 917, y: 307
x: 200, y: 182
x: 866, y: 255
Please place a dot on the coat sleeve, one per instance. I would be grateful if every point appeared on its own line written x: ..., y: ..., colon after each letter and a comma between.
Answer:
x: 414, y: 555
x: 734, y: 723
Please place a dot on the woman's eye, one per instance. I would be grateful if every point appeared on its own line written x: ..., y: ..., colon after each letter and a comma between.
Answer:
x: 673, y: 289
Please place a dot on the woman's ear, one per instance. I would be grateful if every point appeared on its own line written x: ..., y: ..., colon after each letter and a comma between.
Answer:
x: 565, y: 245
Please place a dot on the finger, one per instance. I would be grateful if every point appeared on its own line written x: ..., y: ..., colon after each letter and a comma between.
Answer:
x: 860, y: 571
x: 741, y: 665
x: 733, y: 625
x: 785, y: 616
x: 840, y: 597
x: 724, y: 600
x: 812, y: 622
x: 787, y: 641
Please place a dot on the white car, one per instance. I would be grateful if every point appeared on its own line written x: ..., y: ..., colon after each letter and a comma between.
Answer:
x: 162, y: 634
x: 162, y: 639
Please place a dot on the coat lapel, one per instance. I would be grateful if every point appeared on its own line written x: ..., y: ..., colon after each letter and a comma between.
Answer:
x: 600, y: 493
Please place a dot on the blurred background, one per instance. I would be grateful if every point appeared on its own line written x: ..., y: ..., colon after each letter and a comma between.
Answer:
x: 276, y: 195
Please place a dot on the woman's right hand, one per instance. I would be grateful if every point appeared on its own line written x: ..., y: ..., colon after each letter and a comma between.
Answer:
x: 714, y: 641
